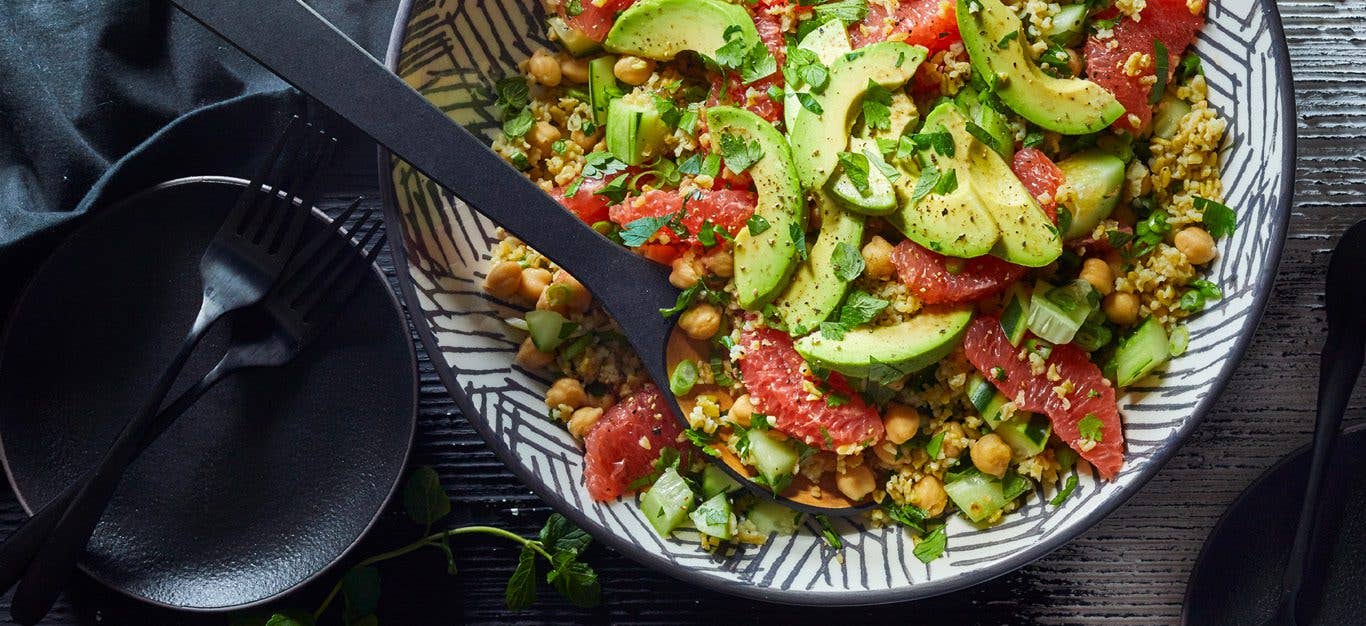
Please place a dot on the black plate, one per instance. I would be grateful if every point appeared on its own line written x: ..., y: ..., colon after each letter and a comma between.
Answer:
x: 269, y: 479
x: 1238, y: 574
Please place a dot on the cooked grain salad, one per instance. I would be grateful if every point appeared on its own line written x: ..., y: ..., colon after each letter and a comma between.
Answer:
x: 921, y: 244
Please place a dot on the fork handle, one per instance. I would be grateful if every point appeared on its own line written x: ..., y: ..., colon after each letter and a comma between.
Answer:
x: 51, y: 566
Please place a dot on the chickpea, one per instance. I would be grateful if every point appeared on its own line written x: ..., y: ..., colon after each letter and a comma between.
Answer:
x: 901, y: 422
x: 574, y: 70
x: 741, y: 411
x: 585, y: 141
x: 544, y: 68
x: 564, y: 295
x: 504, y: 279
x: 954, y: 440
x: 991, y: 455
x: 633, y: 70
x: 1115, y: 260
x: 583, y: 420
x: 529, y: 356
x: 534, y: 281
x: 566, y: 392
x: 719, y: 262
x: 877, y: 258
x: 542, y: 135
x: 856, y: 482
x: 700, y: 321
x: 1196, y: 244
x: 686, y: 271
x: 1097, y: 272
x: 1121, y: 308
x: 928, y: 494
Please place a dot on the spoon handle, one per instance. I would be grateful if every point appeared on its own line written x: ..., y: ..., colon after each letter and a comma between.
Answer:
x: 1339, y: 366
x: 322, y: 62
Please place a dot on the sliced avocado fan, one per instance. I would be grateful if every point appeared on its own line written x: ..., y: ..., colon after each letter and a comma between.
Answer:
x: 660, y: 29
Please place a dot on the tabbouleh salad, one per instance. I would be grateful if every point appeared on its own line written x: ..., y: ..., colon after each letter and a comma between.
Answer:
x: 922, y: 244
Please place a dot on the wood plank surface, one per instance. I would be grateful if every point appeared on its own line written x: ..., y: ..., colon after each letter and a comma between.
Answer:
x: 1130, y: 569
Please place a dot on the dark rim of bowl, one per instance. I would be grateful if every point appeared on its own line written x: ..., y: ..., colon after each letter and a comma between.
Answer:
x: 379, y: 512
x: 1265, y: 280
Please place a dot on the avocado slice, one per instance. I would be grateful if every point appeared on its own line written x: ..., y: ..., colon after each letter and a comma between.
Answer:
x: 880, y: 198
x: 816, y: 291
x: 829, y: 41
x: 989, y: 212
x: 995, y: 41
x: 660, y: 29
x: 876, y: 351
x: 816, y: 139
x: 1092, y: 181
x: 764, y: 261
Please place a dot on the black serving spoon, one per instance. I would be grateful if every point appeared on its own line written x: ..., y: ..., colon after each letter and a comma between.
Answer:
x: 305, y: 50
x: 1339, y: 367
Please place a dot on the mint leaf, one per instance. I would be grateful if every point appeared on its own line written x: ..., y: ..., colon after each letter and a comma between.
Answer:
x: 794, y: 230
x: 877, y: 111
x: 929, y: 179
x: 575, y: 580
x: 738, y: 154
x: 518, y: 125
x: 847, y: 11
x: 856, y: 168
x: 948, y: 182
x: 360, y: 592
x: 809, y: 102
x: 834, y: 331
x: 559, y: 535
x: 521, y: 589
x: 908, y: 515
x: 847, y: 260
x: 513, y: 94
x: 424, y: 498
x: 860, y: 308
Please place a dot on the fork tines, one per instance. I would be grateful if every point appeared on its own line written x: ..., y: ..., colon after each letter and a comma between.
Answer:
x: 332, y: 263
x: 289, y: 176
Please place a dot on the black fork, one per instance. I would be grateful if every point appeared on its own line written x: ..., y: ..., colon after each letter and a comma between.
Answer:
x: 245, y: 258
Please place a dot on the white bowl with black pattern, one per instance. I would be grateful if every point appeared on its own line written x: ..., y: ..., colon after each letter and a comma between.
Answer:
x: 453, y: 51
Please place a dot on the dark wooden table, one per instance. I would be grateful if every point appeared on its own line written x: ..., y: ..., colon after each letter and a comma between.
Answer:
x: 1131, y: 568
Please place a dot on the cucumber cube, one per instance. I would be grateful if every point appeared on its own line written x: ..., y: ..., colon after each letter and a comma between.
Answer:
x: 712, y: 518
x: 716, y: 481
x: 668, y: 502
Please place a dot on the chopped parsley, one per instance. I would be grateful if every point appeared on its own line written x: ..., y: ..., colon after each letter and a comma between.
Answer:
x: 1005, y: 41
x: 738, y: 154
x: 794, y: 230
x: 1218, y: 218
x: 877, y: 106
x: 908, y: 515
x: 757, y: 224
x: 637, y: 232
x: 828, y: 533
x: 941, y: 142
x: 1090, y: 428
x: 935, y: 446
x: 929, y: 179
x: 1033, y: 139
x: 573, y: 8
x: 1160, y: 71
x: 931, y: 546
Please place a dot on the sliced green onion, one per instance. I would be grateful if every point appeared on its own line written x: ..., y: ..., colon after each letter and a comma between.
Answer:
x: 683, y: 378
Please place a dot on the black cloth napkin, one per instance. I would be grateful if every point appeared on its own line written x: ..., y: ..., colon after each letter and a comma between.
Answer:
x: 102, y: 98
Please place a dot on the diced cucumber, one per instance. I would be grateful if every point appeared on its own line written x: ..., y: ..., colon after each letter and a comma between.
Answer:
x: 635, y: 131
x: 1015, y: 315
x: 1092, y: 183
x: 1069, y: 24
x: 1143, y: 351
x: 1167, y: 116
x: 712, y: 518
x: 1026, y: 433
x: 1055, y: 314
x: 978, y: 495
x: 716, y: 481
x: 770, y: 517
x: 575, y: 41
x: 546, y: 329
x: 668, y: 502
x: 602, y: 86
x: 881, y: 197
x: 775, y: 460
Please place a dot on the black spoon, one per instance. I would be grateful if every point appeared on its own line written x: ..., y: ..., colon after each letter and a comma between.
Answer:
x: 305, y: 50
x: 1339, y: 367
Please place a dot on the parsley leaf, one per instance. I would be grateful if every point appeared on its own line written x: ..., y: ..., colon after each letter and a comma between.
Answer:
x: 1189, y: 67
x: 828, y: 533
x: 637, y: 232
x: 1090, y: 428
x: 935, y: 446
x: 847, y: 260
x: 985, y: 137
x: 731, y: 55
x: 908, y: 515
x: 1005, y: 40
x: 738, y: 154
x: 757, y: 224
x: 941, y: 142
x: 931, y: 546
x: 856, y: 168
x: 1218, y: 218
x: 601, y: 164
x: 758, y: 63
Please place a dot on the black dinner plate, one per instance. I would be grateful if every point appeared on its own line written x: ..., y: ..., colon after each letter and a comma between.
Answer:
x: 270, y: 478
x: 1237, y: 577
